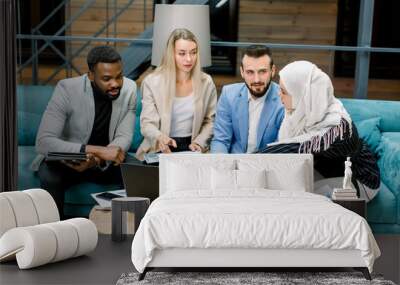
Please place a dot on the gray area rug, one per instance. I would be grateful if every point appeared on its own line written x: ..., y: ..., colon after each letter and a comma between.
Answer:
x: 229, y: 278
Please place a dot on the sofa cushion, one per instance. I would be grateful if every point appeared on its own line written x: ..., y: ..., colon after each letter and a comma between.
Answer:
x: 80, y: 193
x: 383, y: 208
x: 77, y: 210
x: 28, y: 125
x: 33, y: 98
x: 137, y: 135
x: 369, y: 131
x: 361, y: 109
x: 389, y: 164
x: 32, y: 101
x: 392, y: 136
x: 391, y: 229
x: 26, y: 177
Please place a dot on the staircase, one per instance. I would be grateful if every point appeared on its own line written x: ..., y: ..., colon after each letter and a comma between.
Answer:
x: 96, y: 18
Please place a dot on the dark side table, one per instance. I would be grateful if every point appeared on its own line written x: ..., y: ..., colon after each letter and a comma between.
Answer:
x: 357, y: 206
x: 136, y: 205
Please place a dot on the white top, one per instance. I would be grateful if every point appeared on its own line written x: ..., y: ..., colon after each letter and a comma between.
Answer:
x: 255, y: 109
x: 182, y: 116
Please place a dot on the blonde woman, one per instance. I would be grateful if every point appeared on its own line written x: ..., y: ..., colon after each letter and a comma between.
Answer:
x: 179, y: 100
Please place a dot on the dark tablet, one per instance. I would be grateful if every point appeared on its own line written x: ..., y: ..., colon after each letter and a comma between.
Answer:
x: 68, y: 156
x: 107, y: 196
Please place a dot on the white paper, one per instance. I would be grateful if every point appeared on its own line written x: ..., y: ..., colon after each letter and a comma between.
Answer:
x: 107, y: 203
x: 151, y: 158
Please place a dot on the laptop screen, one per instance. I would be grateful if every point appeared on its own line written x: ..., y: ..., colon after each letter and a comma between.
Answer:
x: 140, y: 180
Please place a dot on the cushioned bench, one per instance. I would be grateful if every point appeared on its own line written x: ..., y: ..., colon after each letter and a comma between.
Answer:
x: 33, y: 234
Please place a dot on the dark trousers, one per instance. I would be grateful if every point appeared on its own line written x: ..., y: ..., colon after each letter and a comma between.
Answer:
x: 182, y: 144
x: 56, y: 178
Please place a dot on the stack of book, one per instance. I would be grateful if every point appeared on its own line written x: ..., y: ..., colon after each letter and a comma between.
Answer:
x: 344, y: 194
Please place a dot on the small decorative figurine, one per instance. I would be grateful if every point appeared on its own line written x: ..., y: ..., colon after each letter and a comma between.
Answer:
x: 347, y: 174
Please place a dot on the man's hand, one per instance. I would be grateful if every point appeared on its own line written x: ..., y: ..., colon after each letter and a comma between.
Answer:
x: 107, y: 153
x: 113, y: 153
x: 164, y: 142
x: 195, y: 147
x: 82, y: 165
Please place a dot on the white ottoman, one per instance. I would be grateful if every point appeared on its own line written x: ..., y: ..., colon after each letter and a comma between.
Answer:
x: 31, y: 232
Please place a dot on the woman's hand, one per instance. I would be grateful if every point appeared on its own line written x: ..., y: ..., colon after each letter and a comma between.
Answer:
x: 164, y: 142
x: 196, y: 147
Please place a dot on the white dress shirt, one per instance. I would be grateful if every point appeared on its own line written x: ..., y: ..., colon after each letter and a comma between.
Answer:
x: 255, y: 108
x: 182, y: 116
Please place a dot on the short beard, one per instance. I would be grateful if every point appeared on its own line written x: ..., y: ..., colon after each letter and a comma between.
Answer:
x: 105, y: 95
x: 258, y: 94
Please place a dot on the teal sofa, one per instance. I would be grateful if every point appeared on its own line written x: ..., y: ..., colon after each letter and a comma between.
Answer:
x: 31, y: 103
x: 378, y: 123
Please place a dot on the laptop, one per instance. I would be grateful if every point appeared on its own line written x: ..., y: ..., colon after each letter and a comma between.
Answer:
x: 140, y: 180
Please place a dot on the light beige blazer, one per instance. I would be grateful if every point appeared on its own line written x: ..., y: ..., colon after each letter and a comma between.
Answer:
x: 155, y: 118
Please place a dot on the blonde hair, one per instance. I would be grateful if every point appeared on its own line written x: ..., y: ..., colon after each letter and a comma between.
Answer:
x: 168, y: 66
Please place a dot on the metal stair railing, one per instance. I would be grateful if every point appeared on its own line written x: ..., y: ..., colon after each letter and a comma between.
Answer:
x: 34, y: 59
x: 87, y: 4
x: 147, y: 42
x: 136, y: 57
x: 36, y: 31
x: 101, y: 30
x: 363, y: 47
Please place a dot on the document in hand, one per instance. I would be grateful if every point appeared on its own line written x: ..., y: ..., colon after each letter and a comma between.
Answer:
x: 57, y: 156
x: 151, y: 158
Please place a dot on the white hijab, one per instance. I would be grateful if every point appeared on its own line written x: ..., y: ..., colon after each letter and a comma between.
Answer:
x: 315, y: 108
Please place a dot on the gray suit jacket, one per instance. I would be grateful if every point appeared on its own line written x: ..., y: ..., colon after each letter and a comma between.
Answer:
x: 68, y: 120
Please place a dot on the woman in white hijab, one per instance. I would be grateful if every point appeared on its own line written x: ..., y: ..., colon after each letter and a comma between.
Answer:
x: 316, y: 122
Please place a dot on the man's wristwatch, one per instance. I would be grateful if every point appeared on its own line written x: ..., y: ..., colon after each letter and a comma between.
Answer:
x: 83, y: 148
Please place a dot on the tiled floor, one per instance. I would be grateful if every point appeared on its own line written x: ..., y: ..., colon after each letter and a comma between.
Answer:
x: 389, y: 262
x: 111, y: 259
x: 103, y: 266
